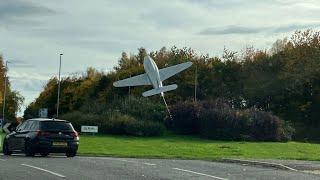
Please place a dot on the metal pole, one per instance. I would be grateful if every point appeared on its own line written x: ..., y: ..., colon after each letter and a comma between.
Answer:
x: 59, y: 87
x: 4, y: 93
x: 195, y: 84
x: 129, y: 89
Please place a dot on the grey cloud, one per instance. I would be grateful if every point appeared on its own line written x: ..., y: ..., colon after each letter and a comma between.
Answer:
x: 230, y: 4
x: 103, y: 45
x: 19, y: 13
x: 175, y: 15
x: 231, y: 30
x: 18, y: 8
x: 20, y: 64
x: 23, y: 66
x: 27, y: 84
x: 234, y: 29
x: 294, y: 27
x: 218, y: 4
x: 167, y: 18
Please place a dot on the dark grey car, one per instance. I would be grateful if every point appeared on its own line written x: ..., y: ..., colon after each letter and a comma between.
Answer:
x: 42, y: 136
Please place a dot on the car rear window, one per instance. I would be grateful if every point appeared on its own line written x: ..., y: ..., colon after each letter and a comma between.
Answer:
x: 56, y: 126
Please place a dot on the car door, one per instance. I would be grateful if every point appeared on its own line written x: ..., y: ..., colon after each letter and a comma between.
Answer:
x: 12, y: 141
x: 19, y: 136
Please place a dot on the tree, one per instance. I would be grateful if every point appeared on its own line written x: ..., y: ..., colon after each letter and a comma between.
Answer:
x: 13, y: 98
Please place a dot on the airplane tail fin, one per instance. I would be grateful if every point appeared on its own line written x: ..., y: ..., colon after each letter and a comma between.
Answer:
x: 160, y: 90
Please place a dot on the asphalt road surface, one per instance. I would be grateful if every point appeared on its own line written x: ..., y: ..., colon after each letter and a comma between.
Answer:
x: 59, y: 167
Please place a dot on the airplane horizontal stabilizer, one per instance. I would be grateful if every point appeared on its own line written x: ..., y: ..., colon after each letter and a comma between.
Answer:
x: 160, y: 90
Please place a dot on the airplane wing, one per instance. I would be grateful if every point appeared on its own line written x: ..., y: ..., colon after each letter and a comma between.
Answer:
x: 165, y: 73
x: 138, y: 80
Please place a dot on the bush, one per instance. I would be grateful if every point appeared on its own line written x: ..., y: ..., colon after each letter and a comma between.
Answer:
x: 115, y: 123
x: 185, y: 118
x: 219, y: 121
x: 139, y: 108
x: 128, y: 125
x: 79, y: 119
x: 144, y: 128
x: 264, y: 126
x: 143, y: 109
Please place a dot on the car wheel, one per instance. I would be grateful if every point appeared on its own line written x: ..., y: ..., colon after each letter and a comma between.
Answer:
x: 28, y: 149
x: 5, y: 149
x: 71, y: 153
x: 44, y: 154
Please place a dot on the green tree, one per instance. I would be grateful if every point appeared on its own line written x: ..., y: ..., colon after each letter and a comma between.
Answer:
x: 13, y: 98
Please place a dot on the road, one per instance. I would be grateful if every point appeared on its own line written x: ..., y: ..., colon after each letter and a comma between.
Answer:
x: 78, y: 168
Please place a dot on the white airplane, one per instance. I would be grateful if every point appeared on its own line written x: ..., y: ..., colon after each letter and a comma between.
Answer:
x: 153, y: 76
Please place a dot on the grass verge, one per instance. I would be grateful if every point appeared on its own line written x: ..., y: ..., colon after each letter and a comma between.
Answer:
x: 1, y: 139
x: 191, y: 147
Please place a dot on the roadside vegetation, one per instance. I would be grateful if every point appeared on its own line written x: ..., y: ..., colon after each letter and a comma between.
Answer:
x: 193, y: 147
x: 2, y: 135
x: 252, y: 95
x: 13, y: 98
x: 217, y: 120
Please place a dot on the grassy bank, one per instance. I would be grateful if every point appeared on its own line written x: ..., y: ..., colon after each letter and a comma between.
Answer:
x: 188, y: 147
x: 1, y: 140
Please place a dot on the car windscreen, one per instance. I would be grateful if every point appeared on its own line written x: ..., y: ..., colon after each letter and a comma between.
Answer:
x: 56, y: 126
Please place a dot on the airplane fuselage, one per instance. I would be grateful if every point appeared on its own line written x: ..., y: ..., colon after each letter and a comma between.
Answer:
x: 153, y: 76
x: 152, y: 71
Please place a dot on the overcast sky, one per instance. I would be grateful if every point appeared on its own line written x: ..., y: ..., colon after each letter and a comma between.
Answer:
x: 95, y: 32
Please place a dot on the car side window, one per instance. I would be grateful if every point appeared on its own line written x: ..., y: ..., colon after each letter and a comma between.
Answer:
x: 21, y: 127
x: 33, y: 126
x: 27, y: 126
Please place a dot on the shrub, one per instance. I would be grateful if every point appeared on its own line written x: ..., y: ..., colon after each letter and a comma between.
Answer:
x: 264, y: 126
x: 185, y: 118
x: 144, y: 128
x: 79, y: 119
x: 115, y: 123
x: 219, y: 121
x: 139, y: 108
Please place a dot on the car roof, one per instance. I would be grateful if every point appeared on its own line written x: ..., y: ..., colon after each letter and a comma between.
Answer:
x: 46, y: 119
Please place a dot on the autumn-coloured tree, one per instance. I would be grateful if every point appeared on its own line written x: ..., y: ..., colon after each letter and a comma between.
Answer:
x: 13, y: 99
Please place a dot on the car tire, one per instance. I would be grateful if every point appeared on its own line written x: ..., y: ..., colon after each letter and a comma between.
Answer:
x: 28, y: 149
x: 44, y: 154
x: 71, y: 153
x: 5, y: 149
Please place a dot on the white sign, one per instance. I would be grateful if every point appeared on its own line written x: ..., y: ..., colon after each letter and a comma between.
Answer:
x: 90, y: 129
x: 43, y: 112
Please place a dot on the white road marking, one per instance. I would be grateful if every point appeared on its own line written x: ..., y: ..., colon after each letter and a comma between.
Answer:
x: 127, y: 161
x: 123, y: 160
x: 51, y: 172
x: 184, y: 170
x: 2, y: 160
x: 150, y: 164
